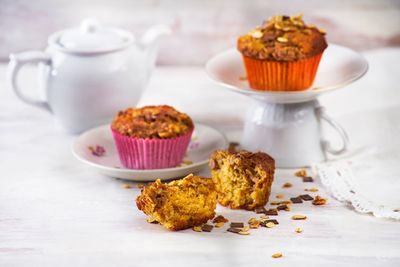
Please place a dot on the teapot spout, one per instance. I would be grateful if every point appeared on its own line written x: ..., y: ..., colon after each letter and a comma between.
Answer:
x: 152, y: 36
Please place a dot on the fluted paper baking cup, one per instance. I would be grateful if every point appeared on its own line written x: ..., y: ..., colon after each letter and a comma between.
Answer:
x: 271, y: 75
x: 146, y: 153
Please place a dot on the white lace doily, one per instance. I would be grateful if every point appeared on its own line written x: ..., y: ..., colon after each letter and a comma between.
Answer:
x: 339, y: 180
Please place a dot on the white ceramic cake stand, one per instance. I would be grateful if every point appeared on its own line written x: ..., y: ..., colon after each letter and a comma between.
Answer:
x: 287, y: 125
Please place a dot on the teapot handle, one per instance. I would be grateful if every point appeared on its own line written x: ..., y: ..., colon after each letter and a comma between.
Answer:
x: 17, y: 61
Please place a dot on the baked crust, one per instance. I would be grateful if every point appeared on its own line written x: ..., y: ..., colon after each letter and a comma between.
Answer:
x: 242, y: 179
x: 180, y: 204
x: 283, y: 38
x: 160, y: 122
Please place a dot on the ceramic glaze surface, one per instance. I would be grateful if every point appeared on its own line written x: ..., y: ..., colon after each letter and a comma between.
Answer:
x: 90, y: 73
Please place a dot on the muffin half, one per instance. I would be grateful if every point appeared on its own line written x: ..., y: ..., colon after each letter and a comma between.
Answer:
x: 179, y: 204
x: 242, y: 179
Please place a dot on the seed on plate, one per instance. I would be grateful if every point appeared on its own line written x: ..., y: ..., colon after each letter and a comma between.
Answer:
x: 279, y: 196
x: 299, y: 217
x: 264, y: 216
x: 140, y: 186
x: 277, y: 255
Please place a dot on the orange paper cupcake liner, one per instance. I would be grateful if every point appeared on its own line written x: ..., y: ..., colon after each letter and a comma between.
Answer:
x: 281, y: 75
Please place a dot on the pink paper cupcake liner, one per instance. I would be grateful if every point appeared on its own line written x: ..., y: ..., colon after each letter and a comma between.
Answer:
x: 144, y: 153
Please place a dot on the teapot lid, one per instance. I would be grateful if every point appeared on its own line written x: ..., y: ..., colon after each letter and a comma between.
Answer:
x: 91, y: 37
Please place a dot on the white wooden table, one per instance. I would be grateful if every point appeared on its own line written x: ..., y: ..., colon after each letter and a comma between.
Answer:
x: 54, y: 211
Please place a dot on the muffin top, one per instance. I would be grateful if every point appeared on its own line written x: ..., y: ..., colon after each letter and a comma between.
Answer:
x: 283, y: 38
x: 243, y: 158
x: 157, y: 122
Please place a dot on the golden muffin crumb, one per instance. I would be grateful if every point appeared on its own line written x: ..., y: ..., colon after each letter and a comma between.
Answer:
x: 180, y: 204
x: 283, y: 38
x: 242, y: 179
x: 159, y: 122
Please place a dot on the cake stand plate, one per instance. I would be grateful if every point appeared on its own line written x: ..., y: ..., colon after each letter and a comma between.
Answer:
x: 288, y: 125
x: 339, y: 66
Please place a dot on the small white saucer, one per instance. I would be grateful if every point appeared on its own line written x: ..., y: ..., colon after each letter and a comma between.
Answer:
x: 339, y: 66
x: 205, y: 140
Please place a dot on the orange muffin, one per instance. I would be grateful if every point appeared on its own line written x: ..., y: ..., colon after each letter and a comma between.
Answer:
x: 151, y: 137
x: 180, y: 204
x: 283, y: 54
x: 242, y: 179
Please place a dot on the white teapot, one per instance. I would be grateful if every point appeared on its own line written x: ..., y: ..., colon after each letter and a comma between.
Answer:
x: 90, y: 73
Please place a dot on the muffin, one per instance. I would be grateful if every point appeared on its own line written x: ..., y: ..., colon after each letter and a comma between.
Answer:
x: 151, y: 137
x: 283, y: 54
x: 242, y: 179
x: 179, y: 204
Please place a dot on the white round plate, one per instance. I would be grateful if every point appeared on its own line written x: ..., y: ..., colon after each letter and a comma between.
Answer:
x: 205, y: 140
x: 339, y: 66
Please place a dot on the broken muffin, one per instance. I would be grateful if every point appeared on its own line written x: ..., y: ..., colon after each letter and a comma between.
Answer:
x: 180, y: 204
x: 242, y: 179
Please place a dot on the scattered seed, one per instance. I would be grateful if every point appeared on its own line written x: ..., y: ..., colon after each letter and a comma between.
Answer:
x: 299, y: 217
x: 126, y: 186
x: 269, y: 225
x: 196, y: 228
x: 140, y: 186
x: 312, y: 189
x: 301, y: 173
x: 264, y: 216
x: 272, y: 220
x: 244, y: 233
x: 254, y: 223
x: 298, y: 230
x: 277, y: 255
x: 287, y: 185
x: 319, y: 201
x: 280, y: 196
x: 219, y: 224
x: 219, y: 219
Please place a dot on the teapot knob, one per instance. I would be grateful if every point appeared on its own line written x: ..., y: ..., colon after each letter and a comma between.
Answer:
x: 89, y: 25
